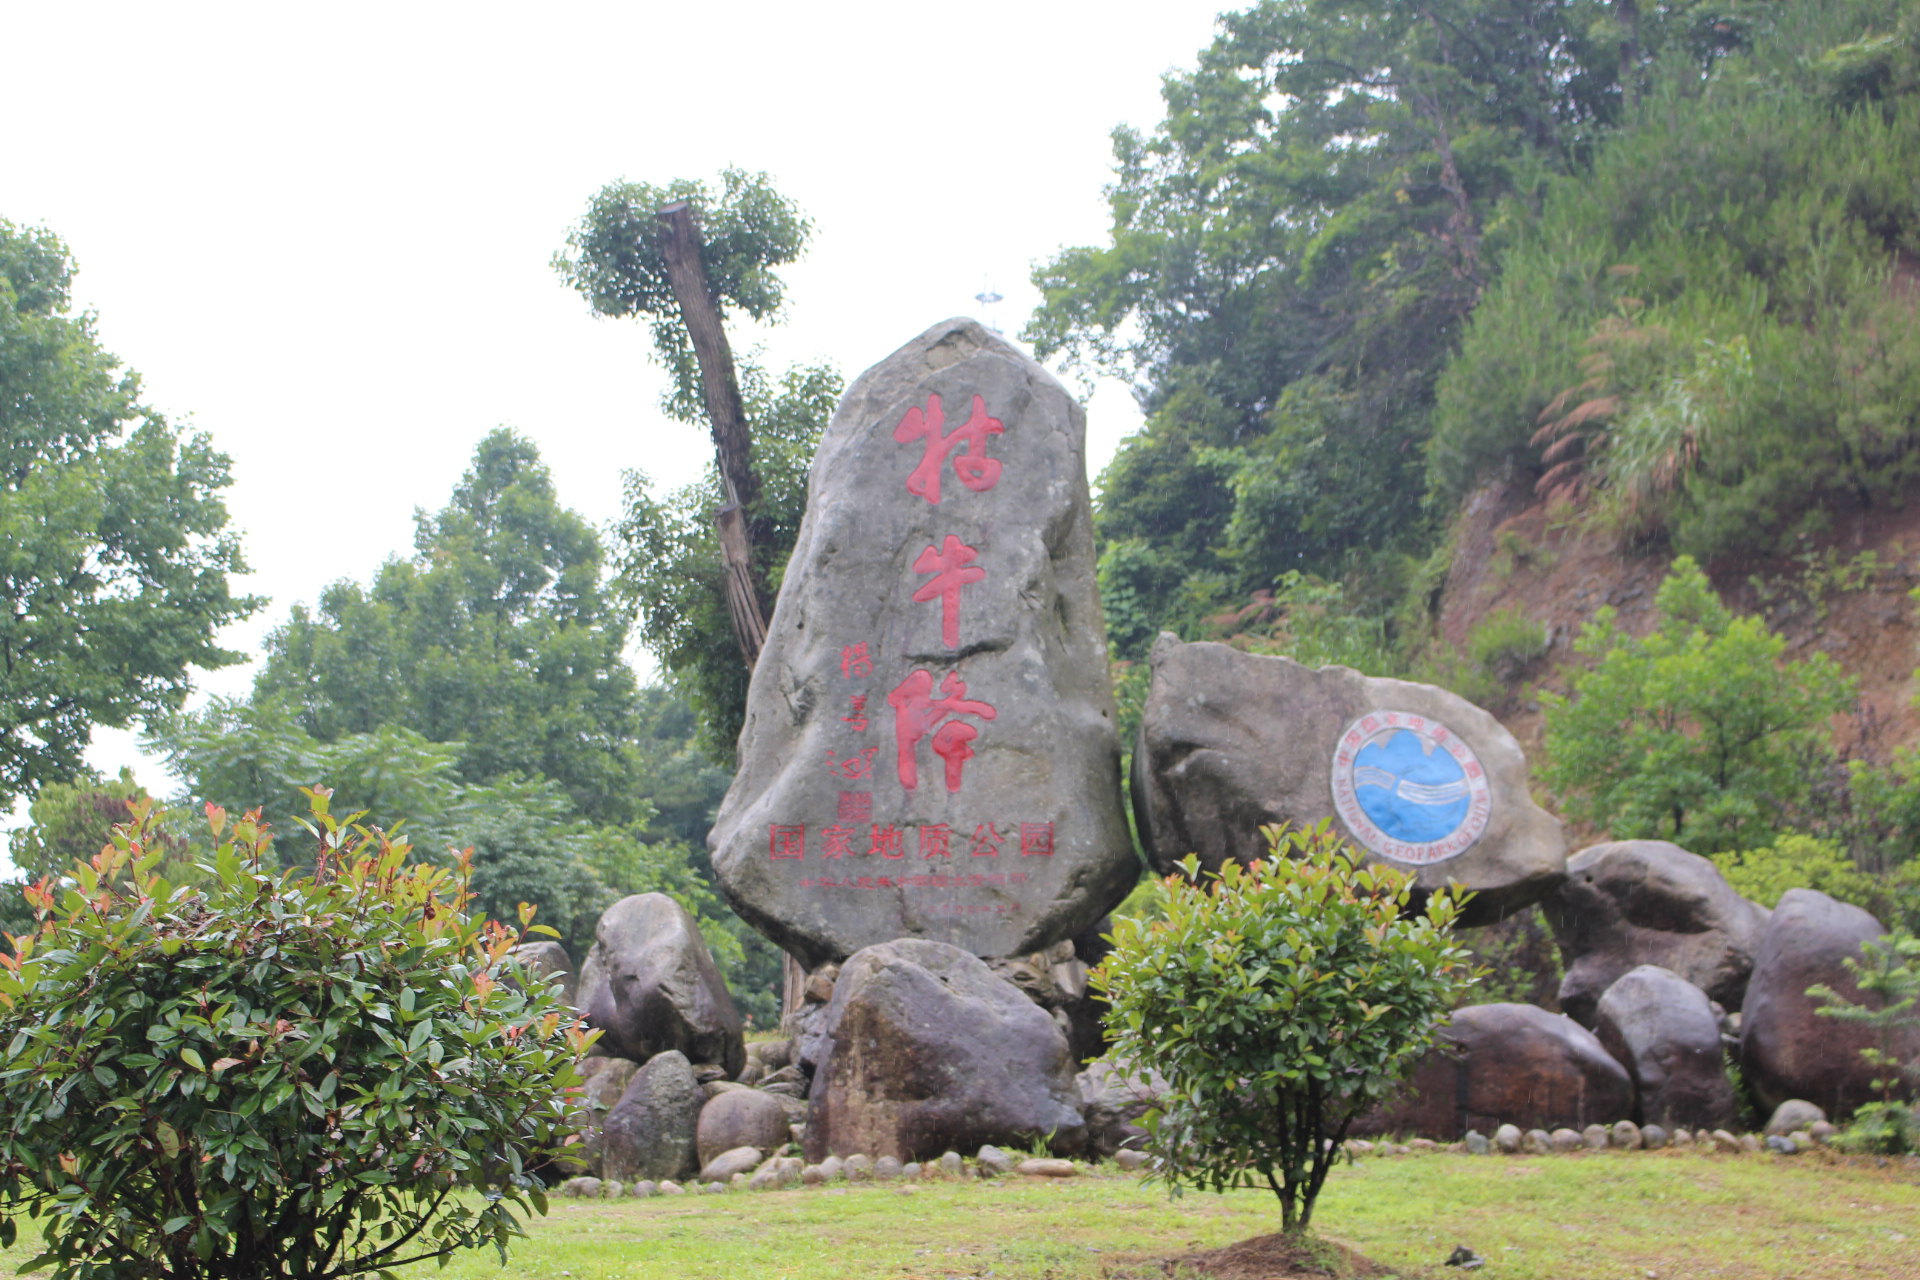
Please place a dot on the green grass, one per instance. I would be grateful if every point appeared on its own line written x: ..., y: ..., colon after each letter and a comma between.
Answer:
x: 1601, y: 1216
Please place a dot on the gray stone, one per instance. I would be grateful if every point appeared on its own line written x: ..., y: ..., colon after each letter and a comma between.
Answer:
x: 1781, y: 1145
x: 1750, y: 1143
x: 727, y: 1163
x: 1662, y: 1029
x: 1786, y: 1049
x: 1129, y: 1159
x: 1506, y: 1063
x: 1626, y: 1136
x: 1595, y: 1137
x: 926, y: 1050
x: 912, y: 1169
x: 742, y: 1118
x: 650, y: 1131
x: 1476, y: 1143
x: 1231, y: 741
x: 1113, y: 1097
x: 1822, y: 1132
x: 1634, y: 902
x: 858, y: 1167
x: 717, y: 1188
x: 1653, y: 1136
x: 671, y: 1188
x: 813, y: 1175
x: 583, y: 1187
x: 548, y: 962
x: 1723, y: 1140
x: 1042, y: 1167
x: 1564, y: 1140
x: 613, y: 1190
x: 935, y: 673
x: 992, y: 1160
x: 1359, y: 1147
x: 887, y: 1169
x: 952, y: 1165
x: 606, y: 1079
x: 1507, y: 1138
x: 651, y: 985
x: 1794, y: 1113
x: 1539, y: 1142
x: 644, y: 1188
x: 1683, y: 1138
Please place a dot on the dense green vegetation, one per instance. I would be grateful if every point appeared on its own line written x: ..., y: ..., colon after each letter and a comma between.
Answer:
x: 114, y: 551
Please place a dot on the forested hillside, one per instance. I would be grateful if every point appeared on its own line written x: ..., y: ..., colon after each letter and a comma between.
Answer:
x: 1455, y: 323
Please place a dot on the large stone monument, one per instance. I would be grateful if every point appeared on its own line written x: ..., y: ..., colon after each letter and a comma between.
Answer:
x: 1413, y: 775
x: 929, y: 749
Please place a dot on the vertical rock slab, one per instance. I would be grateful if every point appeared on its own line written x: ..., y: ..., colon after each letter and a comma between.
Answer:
x: 1417, y: 777
x: 651, y: 985
x: 1628, y: 903
x: 1787, y: 1050
x: 929, y: 748
x: 650, y: 1131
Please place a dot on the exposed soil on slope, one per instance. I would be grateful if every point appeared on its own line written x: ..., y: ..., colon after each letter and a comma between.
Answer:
x: 1516, y: 554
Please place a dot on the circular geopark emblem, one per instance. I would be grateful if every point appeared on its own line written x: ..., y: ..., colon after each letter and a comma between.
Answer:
x: 1408, y: 788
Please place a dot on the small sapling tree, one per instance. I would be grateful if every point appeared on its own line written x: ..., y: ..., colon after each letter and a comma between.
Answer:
x: 1888, y: 977
x: 1280, y: 1000
x: 272, y: 1074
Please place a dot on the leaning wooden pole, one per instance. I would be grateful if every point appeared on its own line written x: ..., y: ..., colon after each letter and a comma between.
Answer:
x: 743, y: 535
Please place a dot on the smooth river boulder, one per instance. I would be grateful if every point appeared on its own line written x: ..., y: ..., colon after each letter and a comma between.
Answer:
x: 923, y: 1050
x: 741, y: 1118
x: 1507, y: 1064
x: 650, y: 985
x: 1787, y: 1050
x: 1633, y: 902
x: 1417, y: 777
x: 1663, y: 1029
x: 930, y: 747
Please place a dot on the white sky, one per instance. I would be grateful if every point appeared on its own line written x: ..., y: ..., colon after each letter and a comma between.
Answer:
x: 322, y: 235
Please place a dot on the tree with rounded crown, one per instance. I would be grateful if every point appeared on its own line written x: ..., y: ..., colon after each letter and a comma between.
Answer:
x: 272, y: 1074
x: 1280, y: 1000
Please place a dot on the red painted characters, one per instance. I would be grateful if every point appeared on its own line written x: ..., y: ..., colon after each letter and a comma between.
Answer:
x: 976, y: 470
x: 915, y: 713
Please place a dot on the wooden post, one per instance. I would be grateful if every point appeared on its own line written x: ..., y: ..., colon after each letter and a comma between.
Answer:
x: 743, y: 536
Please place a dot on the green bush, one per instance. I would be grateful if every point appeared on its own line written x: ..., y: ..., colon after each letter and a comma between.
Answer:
x: 272, y: 1074
x: 1797, y: 862
x: 1505, y: 643
x: 1280, y: 1000
x: 1697, y: 733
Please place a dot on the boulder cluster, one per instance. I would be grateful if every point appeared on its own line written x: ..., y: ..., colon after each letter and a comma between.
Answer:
x: 1670, y: 976
x: 905, y: 1053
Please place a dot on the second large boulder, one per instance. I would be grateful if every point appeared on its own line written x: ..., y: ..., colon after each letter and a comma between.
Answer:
x: 923, y: 1050
x: 1417, y: 777
x: 1663, y: 1029
x: 650, y: 985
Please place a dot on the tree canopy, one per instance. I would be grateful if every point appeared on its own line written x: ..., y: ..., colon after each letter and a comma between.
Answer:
x: 114, y: 549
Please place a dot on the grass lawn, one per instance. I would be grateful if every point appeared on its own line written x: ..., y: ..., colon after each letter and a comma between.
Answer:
x: 1579, y: 1217
x: 1598, y: 1216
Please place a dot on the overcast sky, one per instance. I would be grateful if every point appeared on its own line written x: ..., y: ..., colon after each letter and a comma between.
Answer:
x: 321, y: 234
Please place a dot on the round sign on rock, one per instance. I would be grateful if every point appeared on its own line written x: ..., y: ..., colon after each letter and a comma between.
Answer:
x: 1408, y: 788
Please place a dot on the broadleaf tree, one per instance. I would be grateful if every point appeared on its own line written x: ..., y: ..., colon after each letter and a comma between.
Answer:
x: 114, y: 547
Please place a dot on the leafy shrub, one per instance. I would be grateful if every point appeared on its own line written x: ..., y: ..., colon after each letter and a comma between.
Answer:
x: 1280, y: 1000
x: 1797, y: 862
x: 264, y: 1074
x: 1505, y: 643
x: 1698, y: 732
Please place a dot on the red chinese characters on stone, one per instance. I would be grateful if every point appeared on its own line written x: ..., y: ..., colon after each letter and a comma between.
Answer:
x: 916, y: 712
x: 855, y: 661
x: 952, y: 568
x: 1036, y: 839
x: 856, y: 717
x: 986, y: 841
x: 976, y: 470
x: 857, y: 767
x: 786, y: 841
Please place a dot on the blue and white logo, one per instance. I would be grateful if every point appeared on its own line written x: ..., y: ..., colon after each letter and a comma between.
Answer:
x: 1408, y: 788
